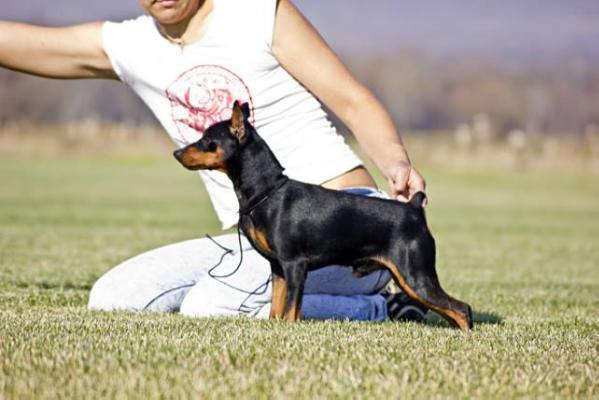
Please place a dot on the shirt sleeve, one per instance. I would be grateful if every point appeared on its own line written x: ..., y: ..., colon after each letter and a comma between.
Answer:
x: 255, y: 19
x: 114, y: 35
x: 268, y: 10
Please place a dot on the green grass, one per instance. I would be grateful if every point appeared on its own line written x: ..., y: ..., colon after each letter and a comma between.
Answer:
x: 521, y: 247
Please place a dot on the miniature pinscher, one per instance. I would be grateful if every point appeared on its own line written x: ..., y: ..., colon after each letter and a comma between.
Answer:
x: 300, y: 227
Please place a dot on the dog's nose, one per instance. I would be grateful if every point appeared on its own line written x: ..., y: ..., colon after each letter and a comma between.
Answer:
x: 178, y: 154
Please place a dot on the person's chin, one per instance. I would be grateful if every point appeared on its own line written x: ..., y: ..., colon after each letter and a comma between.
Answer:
x: 167, y: 16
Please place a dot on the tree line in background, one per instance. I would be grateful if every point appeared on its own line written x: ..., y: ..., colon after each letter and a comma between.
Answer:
x: 422, y: 94
x: 436, y: 95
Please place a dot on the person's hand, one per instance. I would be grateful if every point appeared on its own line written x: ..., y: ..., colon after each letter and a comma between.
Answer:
x: 405, y: 181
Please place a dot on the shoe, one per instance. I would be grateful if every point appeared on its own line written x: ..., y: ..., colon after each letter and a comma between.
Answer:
x: 400, y: 307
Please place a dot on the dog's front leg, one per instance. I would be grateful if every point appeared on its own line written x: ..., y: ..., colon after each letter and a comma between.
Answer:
x: 295, y: 275
x: 279, y: 291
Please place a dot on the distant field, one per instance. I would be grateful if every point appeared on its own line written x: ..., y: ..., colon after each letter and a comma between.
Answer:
x: 521, y: 247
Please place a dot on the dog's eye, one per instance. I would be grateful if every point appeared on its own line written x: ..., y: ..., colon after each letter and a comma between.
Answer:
x: 211, y: 147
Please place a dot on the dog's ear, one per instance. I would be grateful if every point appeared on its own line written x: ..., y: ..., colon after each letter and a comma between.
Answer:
x: 245, y: 108
x: 238, y: 120
x: 419, y: 200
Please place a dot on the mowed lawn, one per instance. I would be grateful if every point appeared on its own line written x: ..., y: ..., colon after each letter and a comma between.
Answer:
x: 521, y: 247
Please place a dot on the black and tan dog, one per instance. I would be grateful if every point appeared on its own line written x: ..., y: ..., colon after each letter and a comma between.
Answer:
x: 300, y: 227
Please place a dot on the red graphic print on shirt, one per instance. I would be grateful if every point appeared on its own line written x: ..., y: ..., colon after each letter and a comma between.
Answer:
x: 202, y: 96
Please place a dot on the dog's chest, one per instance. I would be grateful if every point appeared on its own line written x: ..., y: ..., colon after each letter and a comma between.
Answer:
x: 257, y: 237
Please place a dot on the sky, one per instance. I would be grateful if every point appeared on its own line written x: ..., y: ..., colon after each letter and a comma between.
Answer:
x: 514, y: 29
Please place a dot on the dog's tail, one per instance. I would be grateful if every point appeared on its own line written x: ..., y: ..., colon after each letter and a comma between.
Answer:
x: 418, y: 200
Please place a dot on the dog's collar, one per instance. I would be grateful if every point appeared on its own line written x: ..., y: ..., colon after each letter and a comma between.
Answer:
x: 262, y: 197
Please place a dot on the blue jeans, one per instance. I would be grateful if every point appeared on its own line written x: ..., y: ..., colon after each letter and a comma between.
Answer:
x: 204, y: 277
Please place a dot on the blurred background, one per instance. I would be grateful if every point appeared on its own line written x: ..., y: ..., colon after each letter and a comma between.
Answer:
x: 510, y: 82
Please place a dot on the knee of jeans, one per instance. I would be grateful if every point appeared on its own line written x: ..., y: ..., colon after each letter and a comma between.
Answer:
x: 113, y: 294
x: 110, y: 293
x: 104, y: 296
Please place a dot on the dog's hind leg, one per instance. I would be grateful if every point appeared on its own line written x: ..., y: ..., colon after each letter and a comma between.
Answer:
x: 413, y: 269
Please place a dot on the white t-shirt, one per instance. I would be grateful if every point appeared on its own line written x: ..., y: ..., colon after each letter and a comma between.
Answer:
x: 190, y: 88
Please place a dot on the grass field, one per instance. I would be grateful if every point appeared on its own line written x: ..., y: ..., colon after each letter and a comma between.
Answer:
x: 521, y: 247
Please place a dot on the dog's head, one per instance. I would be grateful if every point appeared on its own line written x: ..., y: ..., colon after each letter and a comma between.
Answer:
x: 219, y: 142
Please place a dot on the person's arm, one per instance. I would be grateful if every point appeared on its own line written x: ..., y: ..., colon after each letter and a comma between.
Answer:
x: 306, y: 56
x: 65, y: 53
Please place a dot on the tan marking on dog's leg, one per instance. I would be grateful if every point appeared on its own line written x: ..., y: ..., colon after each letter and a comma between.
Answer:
x: 293, y: 313
x: 454, y: 317
x: 279, y: 297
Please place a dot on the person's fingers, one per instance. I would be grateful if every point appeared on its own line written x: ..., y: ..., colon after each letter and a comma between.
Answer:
x: 405, y: 182
x: 398, y: 182
x: 401, y: 197
x: 417, y: 184
x: 400, y: 190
